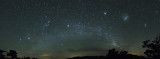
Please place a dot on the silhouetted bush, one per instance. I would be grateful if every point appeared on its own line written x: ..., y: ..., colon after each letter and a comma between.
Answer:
x: 153, y: 48
x: 1, y: 54
x: 12, y: 54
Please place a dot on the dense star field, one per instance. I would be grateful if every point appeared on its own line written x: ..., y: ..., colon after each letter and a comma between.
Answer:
x: 58, y: 29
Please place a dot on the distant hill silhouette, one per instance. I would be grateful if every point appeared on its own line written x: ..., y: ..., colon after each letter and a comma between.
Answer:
x: 112, y: 54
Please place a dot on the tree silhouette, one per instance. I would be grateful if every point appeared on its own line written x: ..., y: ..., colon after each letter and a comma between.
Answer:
x: 27, y: 58
x: 13, y: 54
x: 1, y: 54
x: 153, y: 48
x: 34, y: 58
x: 123, y: 53
x: 112, y: 53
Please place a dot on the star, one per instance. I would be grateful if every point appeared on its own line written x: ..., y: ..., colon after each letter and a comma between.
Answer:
x: 68, y: 25
x: 20, y: 39
x: 105, y: 13
x: 125, y: 18
x: 145, y: 25
x: 28, y: 38
x: 46, y: 24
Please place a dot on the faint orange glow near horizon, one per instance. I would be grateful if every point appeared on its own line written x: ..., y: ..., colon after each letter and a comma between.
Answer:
x: 75, y: 55
x: 133, y: 53
x: 46, y: 55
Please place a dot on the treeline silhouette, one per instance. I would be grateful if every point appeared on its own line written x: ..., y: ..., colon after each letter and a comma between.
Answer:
x: 152, y: 52
x: 113, y: 54
x: 12, y: 54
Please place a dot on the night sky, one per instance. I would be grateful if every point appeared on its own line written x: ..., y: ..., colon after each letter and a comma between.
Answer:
x: 58, y: 29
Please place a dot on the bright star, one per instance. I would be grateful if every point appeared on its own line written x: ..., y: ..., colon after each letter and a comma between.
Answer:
x: 105, y: 13
x: 68, y: 25
x: 125, y: 18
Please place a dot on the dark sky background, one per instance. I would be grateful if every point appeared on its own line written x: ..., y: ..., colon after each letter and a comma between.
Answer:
x: 58, y: 29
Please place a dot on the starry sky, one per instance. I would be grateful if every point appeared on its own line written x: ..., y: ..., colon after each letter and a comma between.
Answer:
x: 58, y: 29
